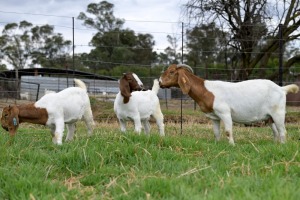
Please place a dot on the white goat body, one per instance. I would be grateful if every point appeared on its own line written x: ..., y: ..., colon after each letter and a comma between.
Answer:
x: 141, y: 106
x: 247, y: 101
x: 67, y: 107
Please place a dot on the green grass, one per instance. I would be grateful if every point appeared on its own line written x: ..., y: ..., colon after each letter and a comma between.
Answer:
x: 111, y: 165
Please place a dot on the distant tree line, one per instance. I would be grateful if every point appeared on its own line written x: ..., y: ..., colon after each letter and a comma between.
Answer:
x: 232, y: 37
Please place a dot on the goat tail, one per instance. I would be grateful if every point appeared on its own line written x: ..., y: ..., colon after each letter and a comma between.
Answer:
x: 80, y: 83
x: 155, y: 86
x: 293, y: 88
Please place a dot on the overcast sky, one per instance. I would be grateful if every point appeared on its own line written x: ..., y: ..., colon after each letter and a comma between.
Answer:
x: 157, y: 17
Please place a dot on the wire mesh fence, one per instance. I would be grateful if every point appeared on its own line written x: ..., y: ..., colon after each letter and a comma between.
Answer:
x: 221, y: 63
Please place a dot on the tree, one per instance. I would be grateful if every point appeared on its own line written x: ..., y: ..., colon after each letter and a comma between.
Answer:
x: 143, y: 49
x: 16, y: 47
x: 247, y: 21
x: 205, y: 44
x: 170, y: 54
x: 51, y: 50
x: 102, y: 18
x: 113, y: 44
x: 171, y: 50
x: 24, y: 44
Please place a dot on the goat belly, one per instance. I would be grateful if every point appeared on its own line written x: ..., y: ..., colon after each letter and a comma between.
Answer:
x: 251, y: 119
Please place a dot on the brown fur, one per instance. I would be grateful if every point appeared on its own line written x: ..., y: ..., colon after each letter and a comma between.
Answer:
x: 127, y: 85
x: 189, y: 84
x: 12, y: 116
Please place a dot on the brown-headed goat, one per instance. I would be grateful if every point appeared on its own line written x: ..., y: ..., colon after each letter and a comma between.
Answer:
x: 243, y: 102
x: 138, y: 106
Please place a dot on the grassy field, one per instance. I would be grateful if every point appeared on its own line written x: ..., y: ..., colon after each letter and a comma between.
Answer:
x: 188, y: 165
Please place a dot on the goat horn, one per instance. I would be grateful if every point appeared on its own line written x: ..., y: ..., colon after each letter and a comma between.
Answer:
x: 186, y: 67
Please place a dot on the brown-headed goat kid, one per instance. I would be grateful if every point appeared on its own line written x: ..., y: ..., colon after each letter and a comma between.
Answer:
x: 138, y: 106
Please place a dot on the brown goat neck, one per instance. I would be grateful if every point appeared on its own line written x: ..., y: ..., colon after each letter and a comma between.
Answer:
x: 200, y: 94
x: 31, y: 114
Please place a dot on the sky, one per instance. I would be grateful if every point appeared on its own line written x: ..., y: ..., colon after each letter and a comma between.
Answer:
x: 156, y: 17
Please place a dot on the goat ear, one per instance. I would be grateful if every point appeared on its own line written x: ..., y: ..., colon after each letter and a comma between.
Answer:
x: 125, y: 90
x: 183, y: 82
x: 15, y: 109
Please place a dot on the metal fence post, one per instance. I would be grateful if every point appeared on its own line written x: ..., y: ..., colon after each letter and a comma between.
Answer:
x: 280, y: 54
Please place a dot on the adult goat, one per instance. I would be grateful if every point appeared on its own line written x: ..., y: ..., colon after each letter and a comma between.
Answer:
x: 138, y: 106
x: 53, y: 110
x: 243, y: 102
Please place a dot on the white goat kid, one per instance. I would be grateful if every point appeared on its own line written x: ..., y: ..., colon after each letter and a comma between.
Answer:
x: 138, y: 106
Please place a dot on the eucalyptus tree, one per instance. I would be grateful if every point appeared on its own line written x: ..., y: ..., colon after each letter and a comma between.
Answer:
x: 113, y: 44
x: 24, y: 45
x: 50, y: 48
x: 16, y: 45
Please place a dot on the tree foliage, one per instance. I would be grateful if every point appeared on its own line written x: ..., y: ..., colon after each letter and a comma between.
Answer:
x: 113, y: 44
x: 248, y: 23
x: 16, y: 47
x: 24, y: 44
x: 241, y: 37
x: 205, y: 44
x: 100, y: 17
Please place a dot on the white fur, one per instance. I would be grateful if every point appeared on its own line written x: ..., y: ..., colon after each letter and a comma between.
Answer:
x: 141, y: 106
x: 48, y: 91
x: 137, y: 79
x: 24, y: 96
x: 247, y: 102
x: 66, y: 107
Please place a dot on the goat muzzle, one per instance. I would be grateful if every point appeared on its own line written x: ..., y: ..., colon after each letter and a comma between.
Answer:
x: 5, y: 128
x: 160, y: 84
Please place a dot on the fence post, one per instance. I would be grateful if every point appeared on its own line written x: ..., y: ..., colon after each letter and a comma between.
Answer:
x: 38, y: 91
x: 280, y: 54
x: 73, y: 46
x: 181, y: 117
